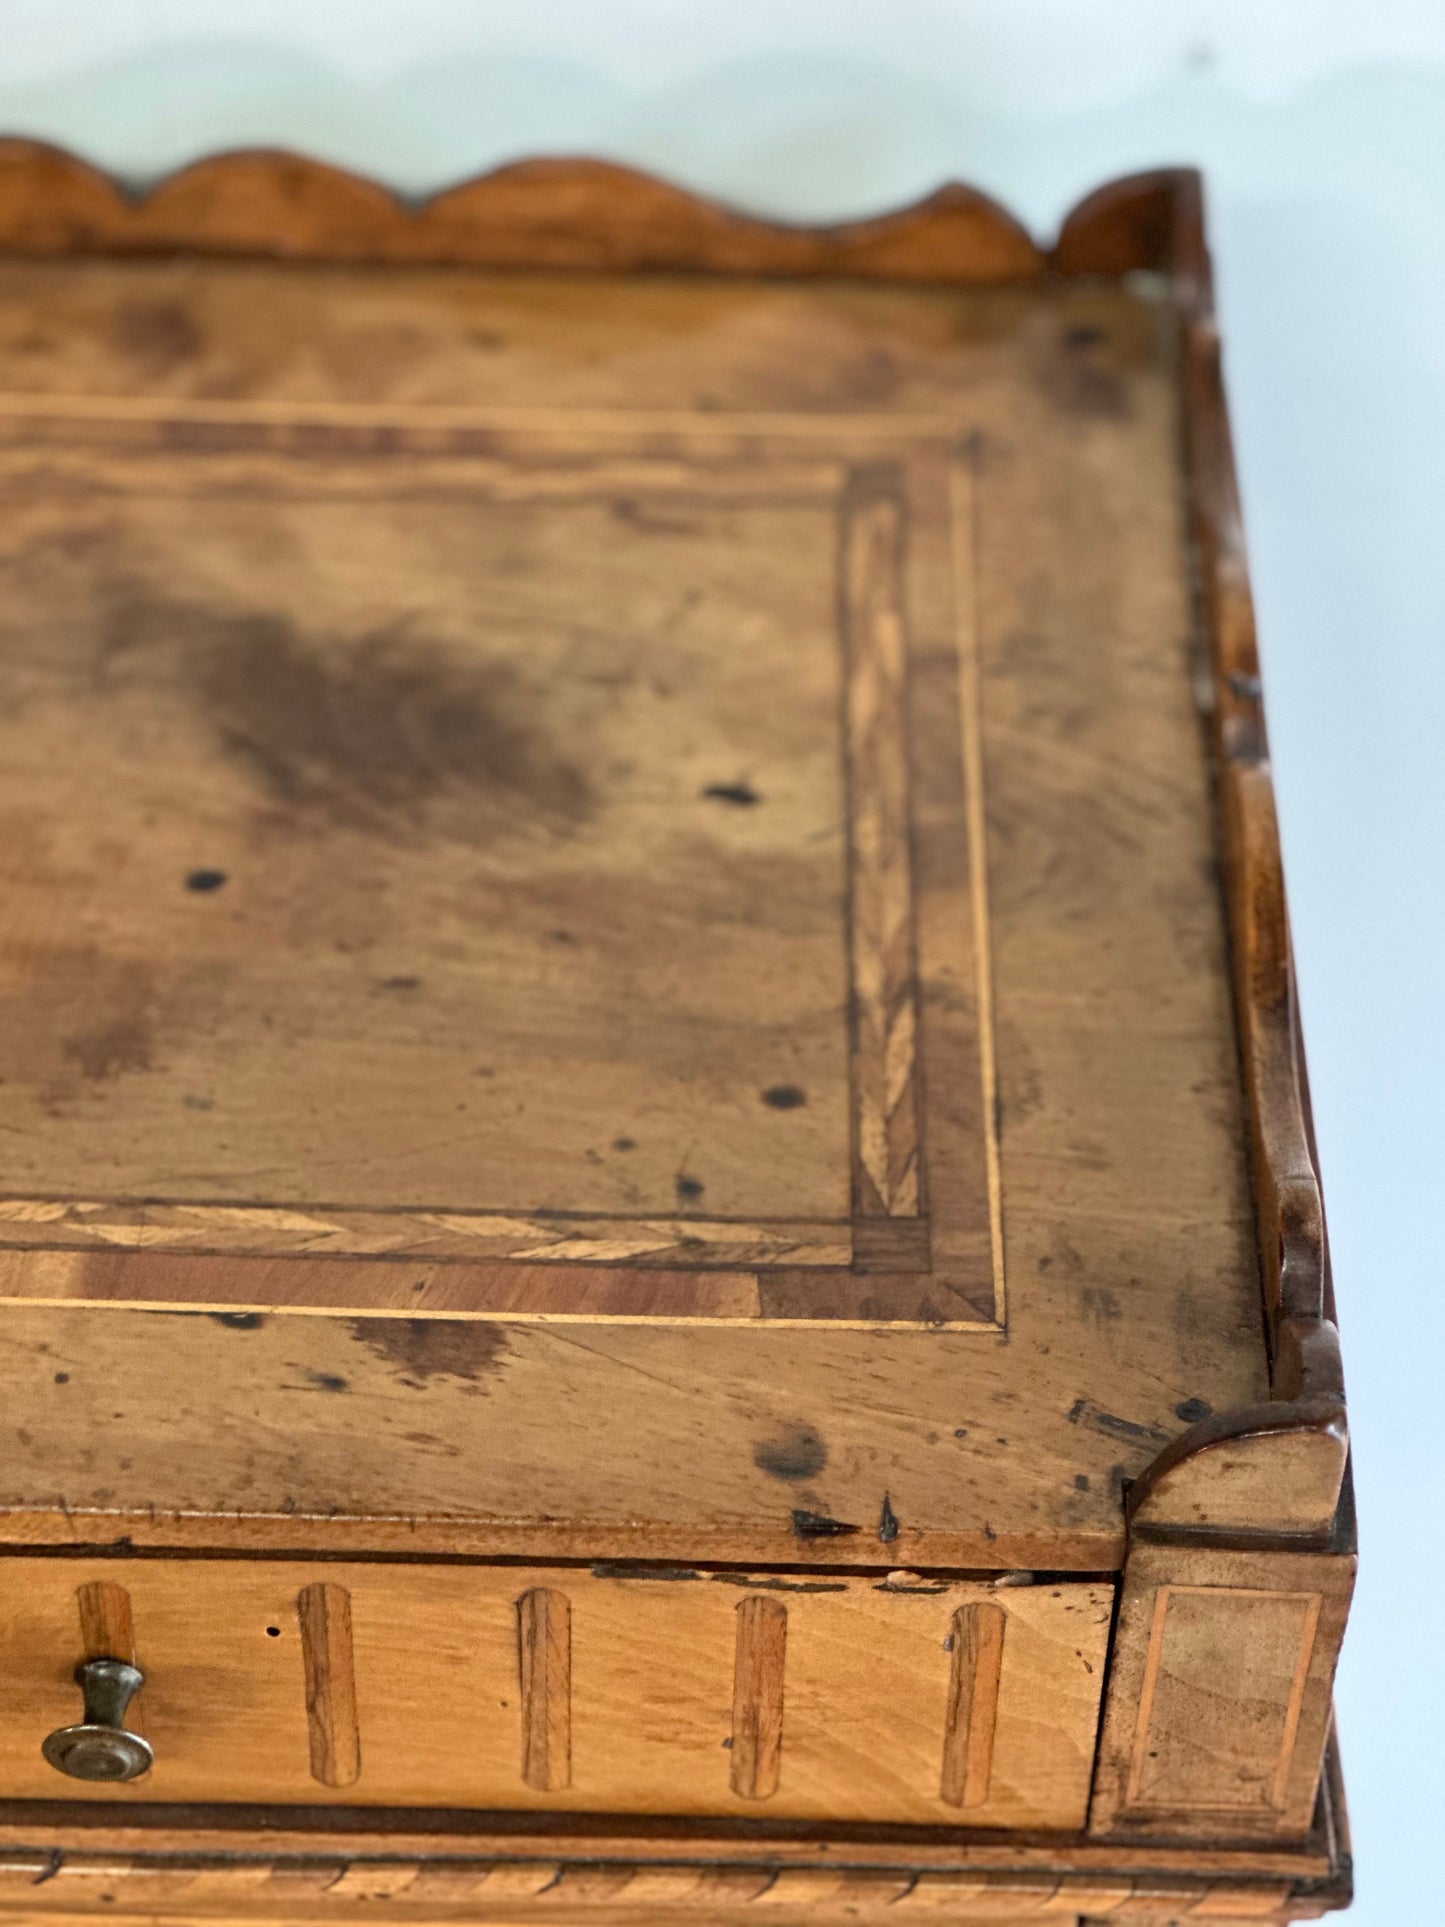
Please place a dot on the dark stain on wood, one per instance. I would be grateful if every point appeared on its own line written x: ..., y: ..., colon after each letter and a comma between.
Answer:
x: 1100, y: 1305
x: 741, y: 794
x: 421, y: 1349
x: 156, y: 335
x: 785, y: 1097
x: 608, y: 1570
x: 817, y: 1525
x: 797, y: 1453
x: 774, y: 1584
x: 1084, y: 382
x: 374, y: 732
x: 125, y: 1044
x: 887, y: 1522
x: 1084, y: 1411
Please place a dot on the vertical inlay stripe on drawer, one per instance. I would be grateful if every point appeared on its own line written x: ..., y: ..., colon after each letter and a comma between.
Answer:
x: 972, y: 1703
x: 758, y: 1666
x: 324, y: 1613
x: 107, y: 1631
x: 544, y: 1641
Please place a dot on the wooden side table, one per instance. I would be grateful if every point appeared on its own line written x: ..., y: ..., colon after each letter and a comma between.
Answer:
x: 660, y: 1258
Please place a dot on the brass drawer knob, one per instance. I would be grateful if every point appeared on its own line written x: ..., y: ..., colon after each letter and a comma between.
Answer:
x: 101, y: 1748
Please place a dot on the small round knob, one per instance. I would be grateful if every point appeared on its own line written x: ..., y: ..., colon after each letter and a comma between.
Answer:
x: 101, y: 1748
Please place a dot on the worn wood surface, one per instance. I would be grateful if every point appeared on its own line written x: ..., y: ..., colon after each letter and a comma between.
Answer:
x: 1241, y: 1557
x: 445, y: 601
x: 1219, y: 1693
x: 1281, y: 1468
x: 264, y: 1835
x: 1016, y: 781
x: 542, y: 1891
x: 702, y: 1694
x: 234, y: 1868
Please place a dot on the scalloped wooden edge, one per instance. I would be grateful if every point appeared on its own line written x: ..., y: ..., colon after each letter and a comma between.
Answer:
x: 571, y: 214
x: 1277, y: 1468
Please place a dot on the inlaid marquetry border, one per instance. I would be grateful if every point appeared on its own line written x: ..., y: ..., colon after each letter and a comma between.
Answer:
x: 869, y: 498
x: 887, y: 1150
x: 1229, y: 1799
x: 586, y: 215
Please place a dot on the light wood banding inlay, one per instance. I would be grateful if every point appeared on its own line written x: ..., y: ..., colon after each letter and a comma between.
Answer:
x: 964, y: 520
x: 915, y: 1216
x: 1191, y: 1749
x: 886, y: 1152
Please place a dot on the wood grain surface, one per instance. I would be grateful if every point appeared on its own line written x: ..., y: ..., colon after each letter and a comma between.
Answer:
x: 274, y: 1064
x: 1281, y: 1467
x: 539, y: 1889
x: 689, y: 1695
x: 1220, y: 1693
x: 951, y: 483
x: 1241, y: 1557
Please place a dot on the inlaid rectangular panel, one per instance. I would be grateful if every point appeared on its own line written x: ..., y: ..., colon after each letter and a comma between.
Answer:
x: 1191, y: 1749
x: 1220, y: 1678
x: 491, y: 856
x: 642, y: 845
x: 510, y: 1687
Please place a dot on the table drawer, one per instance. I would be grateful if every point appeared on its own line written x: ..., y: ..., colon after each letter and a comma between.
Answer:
x: 562, y: 1688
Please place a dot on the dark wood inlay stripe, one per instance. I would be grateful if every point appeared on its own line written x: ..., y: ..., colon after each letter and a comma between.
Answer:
x: 324, y: 1613
x: 544, y: 1641
x: 978, y: 1632
x: 758, y: 1667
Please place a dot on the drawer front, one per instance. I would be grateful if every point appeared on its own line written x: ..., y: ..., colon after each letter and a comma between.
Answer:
x: 560, y: 1688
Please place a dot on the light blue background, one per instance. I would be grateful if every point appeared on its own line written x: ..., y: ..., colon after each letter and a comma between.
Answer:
x: 1321, y: 125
